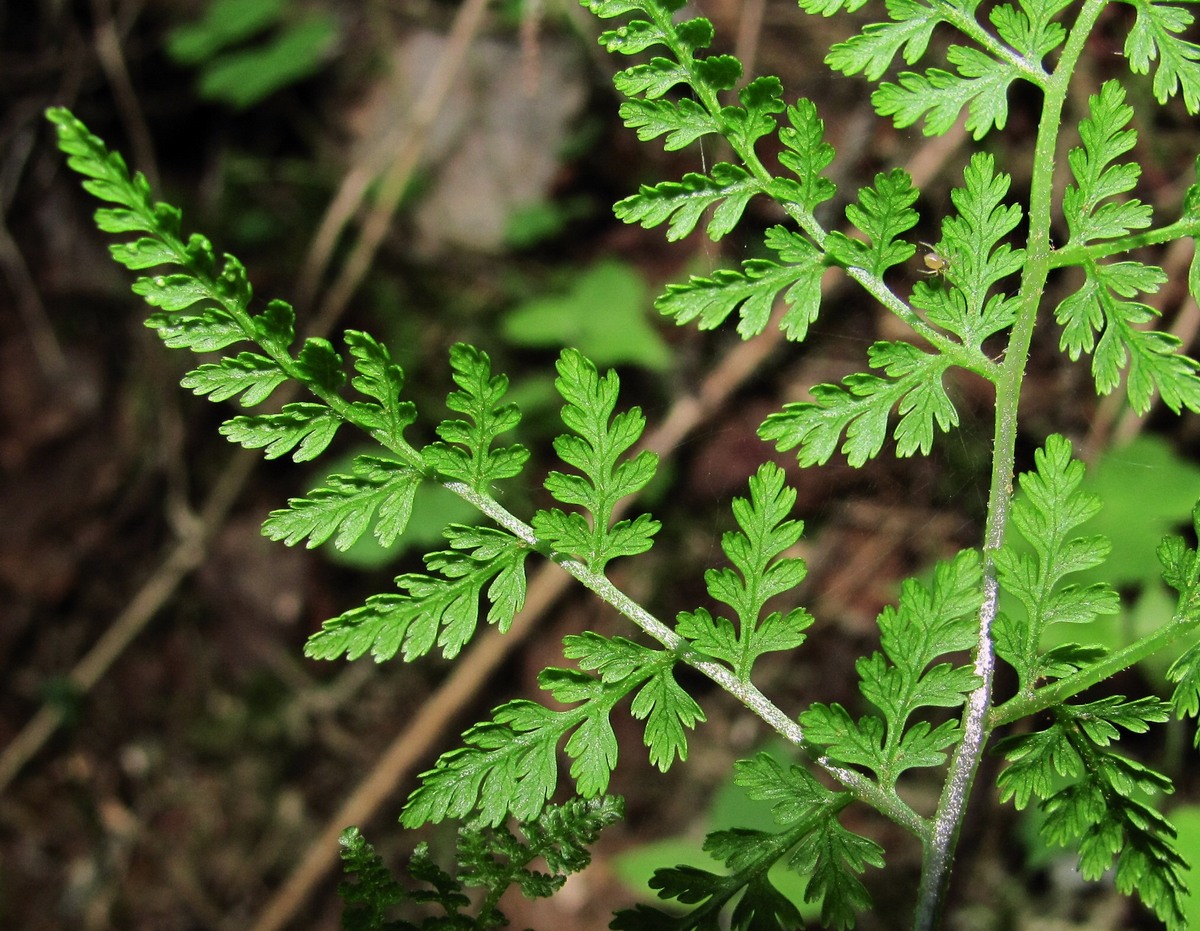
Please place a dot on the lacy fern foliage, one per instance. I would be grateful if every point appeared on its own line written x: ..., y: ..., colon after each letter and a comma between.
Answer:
x: 926, y: 696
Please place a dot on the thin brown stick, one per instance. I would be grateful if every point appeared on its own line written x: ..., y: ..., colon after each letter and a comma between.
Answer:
x: 112, y: 61
x: 187, y: 554
x: 395, y: 181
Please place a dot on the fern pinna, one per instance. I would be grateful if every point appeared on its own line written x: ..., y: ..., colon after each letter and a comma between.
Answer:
x: 928, y: 699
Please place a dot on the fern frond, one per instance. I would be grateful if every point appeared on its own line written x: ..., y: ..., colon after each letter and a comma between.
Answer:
x: 441, y: 609
x: 761, y: 572
x: 927, y: 624
x: 860, y: 410
x: 1049, y: 510
x: 348, y: 504
x: 508, y: 766
x: 466, y: 453
x: 1150, y: 359
x: 1157, y: 35
x: 597, y: 448
x: 753, y: 291
x: 1089, y: 212
x: 972, y: 244
x: 1101, y: 810
x: 882, y: 213
x: 684, y: 202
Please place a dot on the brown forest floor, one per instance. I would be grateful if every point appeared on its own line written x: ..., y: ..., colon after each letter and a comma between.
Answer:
x: 185, y: 762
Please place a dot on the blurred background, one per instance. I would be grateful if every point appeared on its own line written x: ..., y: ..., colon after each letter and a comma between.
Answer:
x: 435, y: 172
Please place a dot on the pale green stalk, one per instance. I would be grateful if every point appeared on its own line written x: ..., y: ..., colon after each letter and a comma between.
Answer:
x: 947, y: 823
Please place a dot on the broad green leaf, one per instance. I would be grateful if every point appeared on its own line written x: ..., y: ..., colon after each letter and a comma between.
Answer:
x: 602, y: 314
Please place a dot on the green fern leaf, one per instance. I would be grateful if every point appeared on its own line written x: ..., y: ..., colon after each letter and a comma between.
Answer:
x: 441, y: 609
x: 472, y: 459
x: 1031, y: 29
x: 320, y: 366
x: 830, y: 7
x: 652, y: 79
x: 1046, y: 514
x: 1157, y: 35
x: 669, y: 712
x: 872, y: 51
x: 683, y: 121
x: 761, y: 572
x: 1105, y: 138
x: 750, y: 854
x: 347, y: 505
x: 752, y: 291
x: 834, y: 857
x: 1181, y: 570
x: 807, y: 155
x: 596, y: 448
x: 684, y: 202
x: 978, y: 259
x: 507, y: 766
x: 1153, y: 358
x: 939, y: 96
x: 860, y: 410
x: 1101, y: 810
x: 208, y: 331
x: 381, y: 380
x: 301, y: 426
x: 275, y: 327
x: 755, y: 118
x: 249, y: 374
x: 883, y: 212
x: 928, y: 623
x: 370, y: 891
x: 636, y: 36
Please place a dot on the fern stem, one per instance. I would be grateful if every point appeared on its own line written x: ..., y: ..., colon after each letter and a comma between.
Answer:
x: 1070, y: 255
x: 887, y: 802
x: 947, y: 823
x: 1023, y: 706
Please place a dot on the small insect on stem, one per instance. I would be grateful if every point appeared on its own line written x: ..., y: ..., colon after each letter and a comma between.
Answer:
x: 935, y: 262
